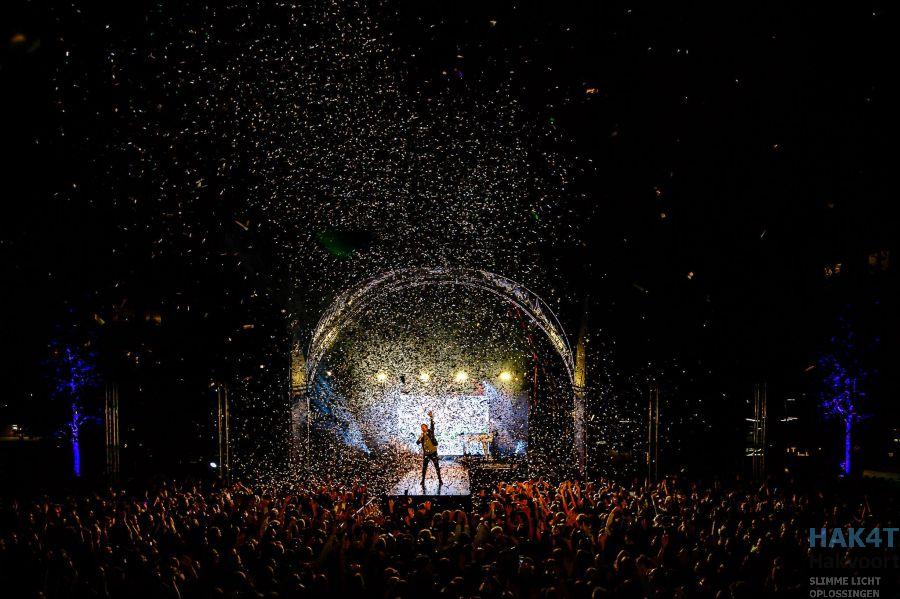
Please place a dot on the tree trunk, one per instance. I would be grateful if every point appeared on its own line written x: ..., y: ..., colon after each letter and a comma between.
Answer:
x: 76, y: 449
x: 845, y: 466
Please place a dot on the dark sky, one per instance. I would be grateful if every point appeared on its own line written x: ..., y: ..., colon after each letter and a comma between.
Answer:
x: 738, y: 153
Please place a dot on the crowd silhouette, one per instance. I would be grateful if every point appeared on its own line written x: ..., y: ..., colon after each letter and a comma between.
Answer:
x: 526, y: 539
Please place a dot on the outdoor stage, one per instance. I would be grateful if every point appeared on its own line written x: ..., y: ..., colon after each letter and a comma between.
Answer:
x: 454, y: 473
x: 460, y: 473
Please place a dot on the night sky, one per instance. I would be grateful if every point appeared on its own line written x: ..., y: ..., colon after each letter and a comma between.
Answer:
x: 714, y: 180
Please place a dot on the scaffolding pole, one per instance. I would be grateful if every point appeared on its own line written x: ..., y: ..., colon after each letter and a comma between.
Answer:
x: 759, y: 430
x: 111, y: 430
x: 223, y: 426
x: 653, y: 435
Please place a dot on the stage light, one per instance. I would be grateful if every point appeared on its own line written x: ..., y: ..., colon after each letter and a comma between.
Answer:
x: 381, y: 377
x: 506, y: 376
x: 461, y: 376
x: 424, y: 377
x: 213, y: 465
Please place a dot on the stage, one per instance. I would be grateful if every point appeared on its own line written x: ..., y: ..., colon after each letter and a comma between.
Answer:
x: 460, y: 473
x: 454, y: 474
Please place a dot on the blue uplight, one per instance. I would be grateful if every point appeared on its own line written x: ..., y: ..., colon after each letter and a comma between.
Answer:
x: 842, y: 383
x: 73, y: 373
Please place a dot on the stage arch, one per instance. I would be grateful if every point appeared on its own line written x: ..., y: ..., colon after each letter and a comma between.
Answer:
x: 353, y: 302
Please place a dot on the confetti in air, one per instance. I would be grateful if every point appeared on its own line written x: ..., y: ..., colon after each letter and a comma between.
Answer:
x: 287, y: 143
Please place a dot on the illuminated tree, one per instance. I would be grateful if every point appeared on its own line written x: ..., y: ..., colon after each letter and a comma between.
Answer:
x: 73, y: 372
x: 843, y: 378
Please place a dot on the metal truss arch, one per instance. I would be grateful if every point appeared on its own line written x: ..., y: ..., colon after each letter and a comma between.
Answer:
x: 350, y: 304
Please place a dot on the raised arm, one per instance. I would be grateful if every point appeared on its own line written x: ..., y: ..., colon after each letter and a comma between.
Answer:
x: 431, y: 420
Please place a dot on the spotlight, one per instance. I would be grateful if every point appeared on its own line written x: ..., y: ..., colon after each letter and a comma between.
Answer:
x: 424, y: 377
x: 506, y: 376
x: 213, y: 465
x: 381, y: 377
x: 461, y: 376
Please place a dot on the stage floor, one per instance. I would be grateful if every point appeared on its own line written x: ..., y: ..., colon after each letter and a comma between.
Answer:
x: 454, y: 474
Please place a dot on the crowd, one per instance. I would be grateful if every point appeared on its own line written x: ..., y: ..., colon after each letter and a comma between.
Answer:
x: 527, y: 539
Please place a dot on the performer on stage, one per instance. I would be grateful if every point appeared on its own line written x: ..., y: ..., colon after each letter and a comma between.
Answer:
x: 429, y: 449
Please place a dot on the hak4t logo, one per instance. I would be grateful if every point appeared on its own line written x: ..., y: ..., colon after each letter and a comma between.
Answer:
x: 851, y: 537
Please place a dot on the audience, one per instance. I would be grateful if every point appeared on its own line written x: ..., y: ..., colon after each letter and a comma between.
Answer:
x: 527, y: 539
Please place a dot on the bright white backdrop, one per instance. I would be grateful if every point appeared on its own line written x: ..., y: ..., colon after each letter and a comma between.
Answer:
x: 455, y: 417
